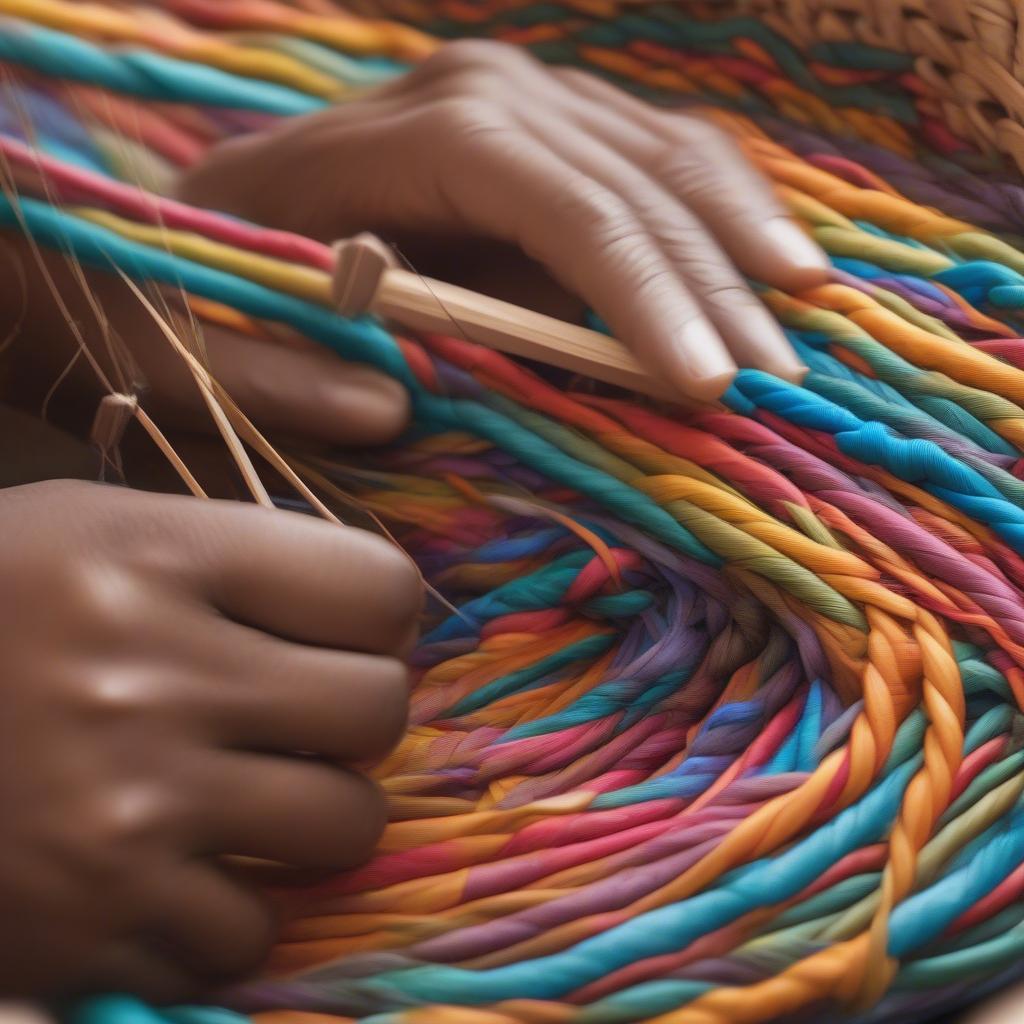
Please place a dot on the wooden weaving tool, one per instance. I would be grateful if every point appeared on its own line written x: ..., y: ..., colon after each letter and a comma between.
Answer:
x: 368, y: 279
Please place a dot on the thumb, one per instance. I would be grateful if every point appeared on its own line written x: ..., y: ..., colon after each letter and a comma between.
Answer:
x: 306, y: 392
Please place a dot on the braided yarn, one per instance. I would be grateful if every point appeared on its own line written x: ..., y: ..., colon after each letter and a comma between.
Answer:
x: 726, y: 726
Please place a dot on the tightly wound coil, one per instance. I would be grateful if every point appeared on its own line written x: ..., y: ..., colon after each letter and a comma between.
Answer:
x: 726, y: 727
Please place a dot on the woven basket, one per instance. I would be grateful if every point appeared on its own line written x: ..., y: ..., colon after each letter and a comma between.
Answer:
x: 968, y: 55
x: 969, y: 52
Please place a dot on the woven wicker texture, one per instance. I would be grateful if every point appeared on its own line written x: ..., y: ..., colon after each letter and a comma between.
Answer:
x: 969, y: 52
x: 967, y: 55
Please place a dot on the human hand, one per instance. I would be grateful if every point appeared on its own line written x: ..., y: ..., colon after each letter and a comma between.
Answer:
x: 296, y: 390
x: 183, y: 682
x: 644, y: 214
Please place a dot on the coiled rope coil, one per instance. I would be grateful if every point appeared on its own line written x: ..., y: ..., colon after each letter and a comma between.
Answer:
x: 727, y: 727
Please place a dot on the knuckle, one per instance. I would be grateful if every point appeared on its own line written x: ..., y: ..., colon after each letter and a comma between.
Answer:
x: 699, y: 131
x: 89, y: 580
x: 484, y: 54
x: 464, y: 118
x: 599, y: 212
x: 573, y: 76
x: 722, y: 294
x: 474, y: 86
x: 469, y: 125
x: 78, y: 491
x: 729, y: 297
x: 691, y: 175
x: 112, y: 693
x: 653, y: 280
x: 126, y: 819
x: 709, y: 272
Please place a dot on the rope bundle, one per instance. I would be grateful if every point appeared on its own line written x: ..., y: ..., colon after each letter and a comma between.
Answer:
x: 726, y: 727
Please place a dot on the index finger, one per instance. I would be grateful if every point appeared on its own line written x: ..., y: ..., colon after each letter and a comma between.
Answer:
x: 741, y: 210
x: 514, y: 187
x: 297, y: 577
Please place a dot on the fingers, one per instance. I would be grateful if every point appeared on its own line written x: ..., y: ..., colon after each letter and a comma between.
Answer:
x: 698, y: 163
x: 651, y: 217
x: 130, y: 967
x: 645, y: 214
x: 305, y: 392
x: 588, y: 237
x: 308, y: 393
x: 740, y: 210
x: 706, y: 170
x: 200, y: 929
x: 273, y: 696
x: 296, y: 812
x: 751, y: 335
x: 296, y: 577
x: 215, y: 927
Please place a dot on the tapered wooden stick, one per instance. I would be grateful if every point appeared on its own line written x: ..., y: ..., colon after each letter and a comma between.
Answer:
x: 367, y: 279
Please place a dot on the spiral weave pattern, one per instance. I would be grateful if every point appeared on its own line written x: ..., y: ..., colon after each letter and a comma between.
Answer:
x: 727, y: 724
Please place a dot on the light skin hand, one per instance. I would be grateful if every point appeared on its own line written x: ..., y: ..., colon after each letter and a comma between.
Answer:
x: 487, y: 167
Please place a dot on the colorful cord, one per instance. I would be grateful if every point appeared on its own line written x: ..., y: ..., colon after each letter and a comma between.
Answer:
x: 727, y: 727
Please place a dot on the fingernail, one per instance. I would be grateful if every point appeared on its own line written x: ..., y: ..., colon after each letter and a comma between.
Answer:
x: 779, y: 363
x: 707, y: 367
x: 781, y: 358
x: 796, y: 249
x: 794, y: 372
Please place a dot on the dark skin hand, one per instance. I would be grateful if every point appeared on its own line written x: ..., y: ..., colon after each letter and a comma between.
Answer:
x: 173, y: 676
x: 158, y: 678
x: 165, y: 659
